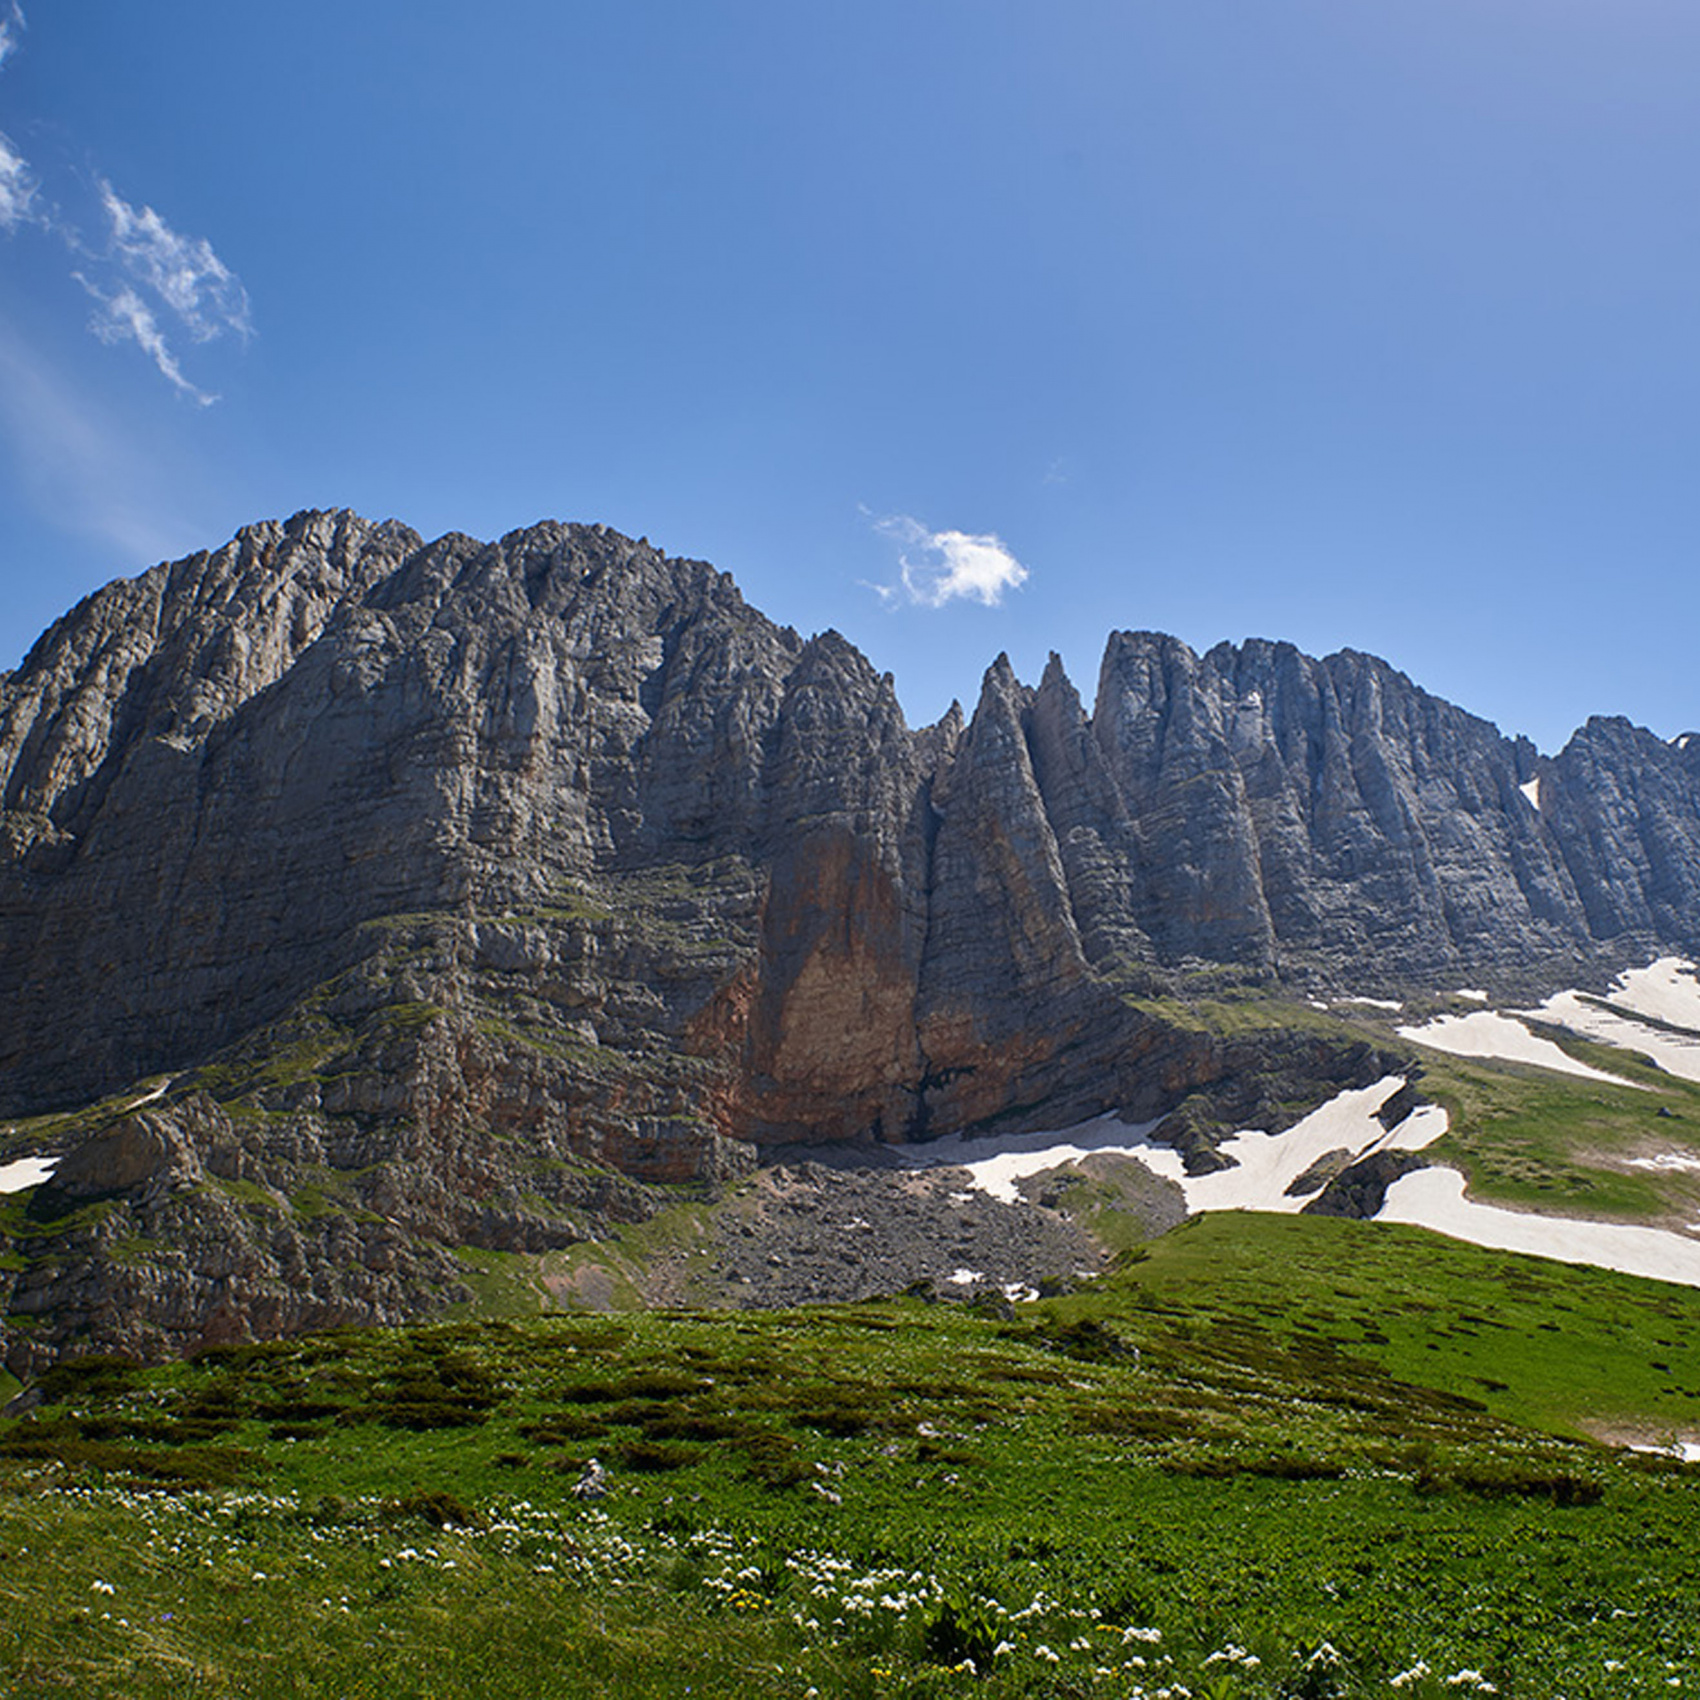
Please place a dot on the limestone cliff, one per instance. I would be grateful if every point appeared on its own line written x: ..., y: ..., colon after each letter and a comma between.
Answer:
x: 445, y: 892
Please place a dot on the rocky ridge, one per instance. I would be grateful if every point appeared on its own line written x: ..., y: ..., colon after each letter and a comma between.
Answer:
x: 453, y: 894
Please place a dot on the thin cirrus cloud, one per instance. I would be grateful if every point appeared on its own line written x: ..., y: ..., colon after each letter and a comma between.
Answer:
x: 148, y: 282
x: 145, y: 257
x: 17, y: 181
x: 17, y: 186
x: 182, y: 271
x: 938, y: 567
x: 124, y: 316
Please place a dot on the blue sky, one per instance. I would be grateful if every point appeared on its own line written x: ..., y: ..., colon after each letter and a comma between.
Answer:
x: 957, y: 326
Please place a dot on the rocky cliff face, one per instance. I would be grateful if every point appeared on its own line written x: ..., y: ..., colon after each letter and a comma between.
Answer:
x: 450, y: 882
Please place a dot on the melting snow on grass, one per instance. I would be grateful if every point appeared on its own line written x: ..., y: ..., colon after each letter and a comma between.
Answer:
x: 1675, y: 1053
x: 999, y: 1163
x: 1434, y: 1198
x: 1637, y: 1015
x: 1267, y: 1164
x: 1484, y: 1033
x: 1667, y: 990
x: 1264, y: 1165
x: 1667, y: 1161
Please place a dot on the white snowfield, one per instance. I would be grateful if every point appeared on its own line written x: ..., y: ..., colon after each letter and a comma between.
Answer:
x: 1675, y: 1053
x: 1434, y: 1198
x: 25, y: 1173
x: 1667, y: 990
x: 999, y: 1163
x: 1267, y: 1164
x: 1487, y: 1034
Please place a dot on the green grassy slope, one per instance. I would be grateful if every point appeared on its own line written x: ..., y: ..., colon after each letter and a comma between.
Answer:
x: 1543, y: 1141
x: 1153, y: 1486
x: 1558, y: 1346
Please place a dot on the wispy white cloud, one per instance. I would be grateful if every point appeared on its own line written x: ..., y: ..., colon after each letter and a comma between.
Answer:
x: 17, y: 181
x: 150, y: 282
x: 124, y: 316
x: 183, y: 271
x: 10, y: 26
x: 936, y: 567
x: 17, y: 186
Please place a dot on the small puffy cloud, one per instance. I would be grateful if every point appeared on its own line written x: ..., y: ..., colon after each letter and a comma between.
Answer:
x: 124, y: 316
x: 936, y: 567
x: 183, y: 271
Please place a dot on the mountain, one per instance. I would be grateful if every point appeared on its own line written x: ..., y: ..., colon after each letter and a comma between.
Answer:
x: 363, y: 898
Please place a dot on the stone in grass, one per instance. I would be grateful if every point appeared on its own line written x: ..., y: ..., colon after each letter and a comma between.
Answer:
x: 592, y: 1482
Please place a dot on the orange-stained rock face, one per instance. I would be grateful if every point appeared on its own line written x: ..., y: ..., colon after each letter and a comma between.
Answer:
x: 830, y: 1051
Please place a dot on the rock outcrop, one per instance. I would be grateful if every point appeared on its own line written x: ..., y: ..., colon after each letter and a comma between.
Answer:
x: 464, y: 887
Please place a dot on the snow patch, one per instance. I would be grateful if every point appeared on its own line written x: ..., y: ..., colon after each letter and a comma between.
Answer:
x: 1667, y: 990
x: 1470, y: 995
x: 1675, y: 1053
x: 1483, y: 1033
x: 1266, y: 1164
x: 1532, y: 790
x: 999, y: 1164
x: 1377, y: 1003
x: 1434, y: 1198
x: 26, y: 1172
x: 1687, y: 1450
